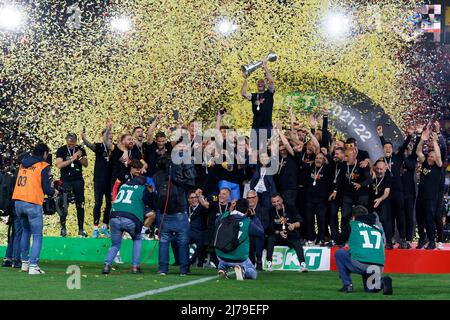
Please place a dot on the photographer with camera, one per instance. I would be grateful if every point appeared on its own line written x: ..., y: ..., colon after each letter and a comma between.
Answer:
x: 33, y: 181
x: 174, y: 224
x: 71, y: 159
x: 234, y: 228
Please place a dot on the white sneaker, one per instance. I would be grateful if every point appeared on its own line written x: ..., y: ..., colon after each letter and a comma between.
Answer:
x: 310, y: 243
x: 239, y: 273
x: 126, y: 236
x: 35, y: 270
x: 145, y: 236
x: 303, y: 267
x: 269, y: 266
x: 25, y: 266
x: 118, y: 259
x: 440, y: 246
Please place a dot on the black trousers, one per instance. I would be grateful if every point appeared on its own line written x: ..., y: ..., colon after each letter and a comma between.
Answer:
x: 347, y: 204
x: 256, y: 248
x: 295, y: 243
x: 318, y: 210
x: 385, y: 213
x: 102, y: 189
x: 301, y: 206
x: 428, y: 219
x: 197, y: 237
x: 77, y: 189
x: 441, y: 213
x: 333, y: 219
x: 397, y: 207
x: 409, y: 202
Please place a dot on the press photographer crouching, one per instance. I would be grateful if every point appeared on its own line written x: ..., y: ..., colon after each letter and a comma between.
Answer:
x: 232, y: 240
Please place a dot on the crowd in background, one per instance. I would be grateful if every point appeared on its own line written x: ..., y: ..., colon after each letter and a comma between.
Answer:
x: 306, y: 200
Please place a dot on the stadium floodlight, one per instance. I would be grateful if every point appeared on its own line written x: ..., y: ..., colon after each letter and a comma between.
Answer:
x: 225, y: 27
x: 337, y: 25
x: 11, y: 18
x: 121, y: 24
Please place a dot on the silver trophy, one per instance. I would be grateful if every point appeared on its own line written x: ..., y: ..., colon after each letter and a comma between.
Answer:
x: 248, y: 69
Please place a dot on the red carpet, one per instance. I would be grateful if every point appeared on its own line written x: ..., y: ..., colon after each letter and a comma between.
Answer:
x: 413, y: 261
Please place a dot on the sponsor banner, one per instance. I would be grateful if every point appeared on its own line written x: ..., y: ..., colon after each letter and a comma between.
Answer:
x: 316, y: 258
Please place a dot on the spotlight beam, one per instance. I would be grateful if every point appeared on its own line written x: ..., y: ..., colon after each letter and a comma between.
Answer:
x: 11, y: 18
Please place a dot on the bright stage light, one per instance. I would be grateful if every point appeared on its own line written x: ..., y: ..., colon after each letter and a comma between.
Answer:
x: 121, y: 24
x: 226, y: 27
x: 337, y: 25
x: 11, y: 18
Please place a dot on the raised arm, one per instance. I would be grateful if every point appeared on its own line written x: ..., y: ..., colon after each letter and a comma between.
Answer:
x: 284, y: 140
x: 244, y: 92
x: 151, y: 129
x: 89, y: 144
x: 437, y: 150
x: 315, y: 142
x: 269, y: 76
x: 404, y: 146
x: 425, y: 136
x: 108, y: 131
x: 380, y: 135
x: 325, y: 132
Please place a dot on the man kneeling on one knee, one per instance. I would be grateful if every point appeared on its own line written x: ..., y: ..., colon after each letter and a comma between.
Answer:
x: 366, y: 254
x: 232, y: 240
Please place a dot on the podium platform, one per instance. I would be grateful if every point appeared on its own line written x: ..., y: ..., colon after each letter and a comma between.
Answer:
x: 413, y: 260
x: 92, y: 250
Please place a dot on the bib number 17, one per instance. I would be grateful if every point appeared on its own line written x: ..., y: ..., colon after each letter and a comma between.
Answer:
x: 367, y: 243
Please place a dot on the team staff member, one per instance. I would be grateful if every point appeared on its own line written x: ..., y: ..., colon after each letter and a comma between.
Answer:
x: 71, y: 159
x: 365, y: 240
x: 409, y: 188
x: 102, y: 178
x: 335, y: 198
x: 257, y: 243
x: 33, y: 181
x: 354, y: 185
x: 318, y: 192
x: 379, y: 192
x: 430, y: 177
x: 394, y: 162
x: 197, y: 215
x: 216, y: 207
x: 285, y: 221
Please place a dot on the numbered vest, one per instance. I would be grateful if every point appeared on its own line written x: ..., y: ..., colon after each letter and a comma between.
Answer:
x: 366, y: 243
x: 129, y: 199
x: 28, y: 185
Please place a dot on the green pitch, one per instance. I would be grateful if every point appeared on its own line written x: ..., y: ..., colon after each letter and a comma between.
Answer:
x: 276, y: 285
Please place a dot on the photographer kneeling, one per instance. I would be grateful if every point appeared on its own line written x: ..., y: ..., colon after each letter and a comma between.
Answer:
x: 232, y: 240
